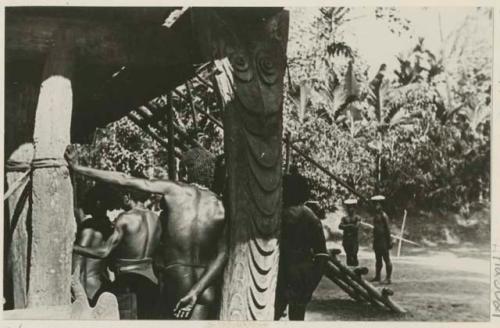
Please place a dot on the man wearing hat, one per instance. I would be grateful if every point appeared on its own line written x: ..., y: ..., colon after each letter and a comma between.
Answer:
x: 381, y: 239
x: 350, y: 225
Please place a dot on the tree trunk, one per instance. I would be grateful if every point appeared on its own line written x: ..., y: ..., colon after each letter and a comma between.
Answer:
x: 53, y: 219
x: 256, y: 49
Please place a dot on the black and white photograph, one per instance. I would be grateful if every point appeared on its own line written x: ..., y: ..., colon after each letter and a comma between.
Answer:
x: 288, y: 163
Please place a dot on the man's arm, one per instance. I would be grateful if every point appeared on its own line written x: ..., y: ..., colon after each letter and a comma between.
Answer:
x: 104, y: 249
x: 318, y: 247
x: 122, y: 179
x: 186, y: 304
x: 357, y: 221
x: 385, y: 219
x: 84, y: 240
x: 344, y: 225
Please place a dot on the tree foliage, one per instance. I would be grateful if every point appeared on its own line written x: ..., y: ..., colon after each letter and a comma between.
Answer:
x: 404, y: 136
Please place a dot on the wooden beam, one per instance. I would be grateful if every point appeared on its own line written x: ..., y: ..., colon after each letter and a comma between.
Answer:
x: 193, y: 109
x: 147, y: 118
x: 287, y: 152
x: 375, y: 295
x: 327, y: 172
x: 401, y: 235
x: 172, y: 167
x: 332, y: 274
x: 152, y: 133
x: 201, y: 110
x: 183, y: 135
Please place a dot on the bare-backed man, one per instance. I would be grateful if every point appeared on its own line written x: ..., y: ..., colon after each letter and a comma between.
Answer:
x: 132, y: 244
x: 92, y: 232
x: 303, y: 252
x: 193, y: 252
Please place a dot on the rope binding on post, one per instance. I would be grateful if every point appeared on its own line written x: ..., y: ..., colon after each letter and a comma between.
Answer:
x: 27, y: 167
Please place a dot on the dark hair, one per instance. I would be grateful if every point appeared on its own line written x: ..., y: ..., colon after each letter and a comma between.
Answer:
x: 220, y: 175
x: 199, y: 164
x: 295, y: 190
x: 99, y: 193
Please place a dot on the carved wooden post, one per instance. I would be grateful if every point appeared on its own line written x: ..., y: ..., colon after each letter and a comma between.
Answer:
x: 255, y: 43
x: 52, y: 209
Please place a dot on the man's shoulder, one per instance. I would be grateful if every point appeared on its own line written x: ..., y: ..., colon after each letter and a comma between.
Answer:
x: 128, y: 216
x: 206, y: 193
x: 136, y: 213
x: 102, y: 226
x: 310, y: 215
x: 202, y: 189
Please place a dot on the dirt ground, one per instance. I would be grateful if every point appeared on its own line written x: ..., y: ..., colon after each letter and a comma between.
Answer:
x: 444, y: 285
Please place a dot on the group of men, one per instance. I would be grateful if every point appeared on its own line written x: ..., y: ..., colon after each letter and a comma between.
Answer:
x: 170, y: 263
x: 182, y: 250
x: 303, y: 251
x: 382, y: 242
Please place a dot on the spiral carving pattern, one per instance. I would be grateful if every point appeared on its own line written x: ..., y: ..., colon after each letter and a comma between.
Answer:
x: 256, y: 50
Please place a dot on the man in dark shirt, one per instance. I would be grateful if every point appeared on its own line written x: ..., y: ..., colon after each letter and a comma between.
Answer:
x: 350, y: 225
x: 381, y: 240
x: 303, y: 251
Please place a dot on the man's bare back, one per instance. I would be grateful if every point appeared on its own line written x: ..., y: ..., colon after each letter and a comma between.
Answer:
x: 194, y: 243
x: 193, y: 225
x: 93, y: 272
x: 141, y: 234
x: 92, y: 232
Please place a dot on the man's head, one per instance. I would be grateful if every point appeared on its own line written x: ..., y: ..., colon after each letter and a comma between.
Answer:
x: 350, y: 205
x: 130, y: 197
x: 378, y: 201
x: 294, y: 170
x: 97, y: 200
x: 198, y: 166
x: 295, y: 190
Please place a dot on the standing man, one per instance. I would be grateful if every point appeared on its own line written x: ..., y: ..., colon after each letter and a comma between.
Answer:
x: 194, y: 250
x: 381, y: 240
x: 303, y: 253
x: 350, y: 226
x: 92, y: 232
